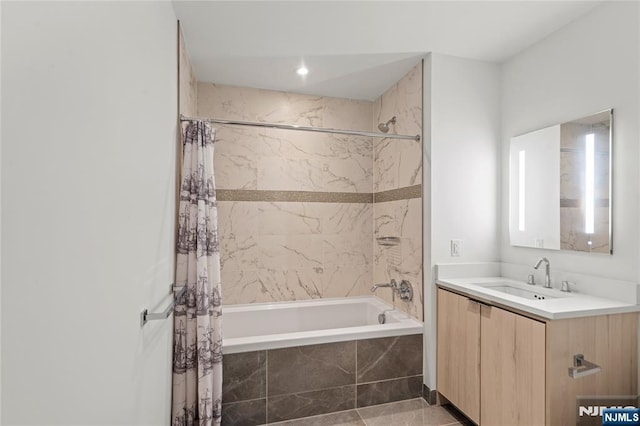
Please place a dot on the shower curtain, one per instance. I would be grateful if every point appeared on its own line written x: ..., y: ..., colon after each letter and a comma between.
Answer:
x: 197, y: 347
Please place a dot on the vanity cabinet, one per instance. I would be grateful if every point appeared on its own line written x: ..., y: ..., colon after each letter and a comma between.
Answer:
x: 501, y: 367
x: 458, y: 354
x: 512, y: 354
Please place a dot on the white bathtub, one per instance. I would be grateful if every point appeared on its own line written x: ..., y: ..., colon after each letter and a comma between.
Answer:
x: 261, y: 326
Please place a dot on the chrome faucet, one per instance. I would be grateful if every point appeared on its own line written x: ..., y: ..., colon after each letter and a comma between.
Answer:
x: 547, y: 276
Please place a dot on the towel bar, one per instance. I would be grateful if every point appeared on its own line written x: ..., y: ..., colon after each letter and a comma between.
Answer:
x: 146, y: 316
x: 582, y: 367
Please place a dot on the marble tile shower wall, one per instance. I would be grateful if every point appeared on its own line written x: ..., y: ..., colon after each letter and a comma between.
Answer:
x: 274, y: 251
x: 398, y: 164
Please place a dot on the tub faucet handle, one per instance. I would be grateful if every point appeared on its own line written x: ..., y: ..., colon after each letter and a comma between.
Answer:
x: 405, y: 290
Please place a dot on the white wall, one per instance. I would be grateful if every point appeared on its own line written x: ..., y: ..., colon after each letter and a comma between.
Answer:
x: 463, y: 146
x: 88, y: 194
x: 428, y: 304
x: 0, y: 220
x: 588, y: 66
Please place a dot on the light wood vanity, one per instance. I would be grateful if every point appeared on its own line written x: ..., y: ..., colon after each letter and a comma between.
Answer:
x: 504, y: 366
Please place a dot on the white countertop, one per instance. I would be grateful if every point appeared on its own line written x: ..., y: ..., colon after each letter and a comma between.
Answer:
x: 558, y: 305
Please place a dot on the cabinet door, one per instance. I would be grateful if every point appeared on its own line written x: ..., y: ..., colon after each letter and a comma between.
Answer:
x: 513, y: 369
x: 458, y: 362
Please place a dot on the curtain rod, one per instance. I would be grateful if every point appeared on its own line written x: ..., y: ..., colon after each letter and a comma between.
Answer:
x: 302, y: 128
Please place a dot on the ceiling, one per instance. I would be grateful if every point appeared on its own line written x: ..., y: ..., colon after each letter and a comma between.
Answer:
x: 355, y: 49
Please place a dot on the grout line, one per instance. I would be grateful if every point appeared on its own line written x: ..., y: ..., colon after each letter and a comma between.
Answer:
x: 355, y: 379
x: 312, y: 390
x: 266, y: 386
x: 388, y: 380
x: 315, y: 416
x: 244, y: 400
x: 389, y: 403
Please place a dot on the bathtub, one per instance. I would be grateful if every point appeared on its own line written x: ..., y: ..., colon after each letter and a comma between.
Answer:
x: 261, y: 326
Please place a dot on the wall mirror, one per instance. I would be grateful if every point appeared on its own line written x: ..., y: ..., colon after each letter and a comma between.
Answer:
x: 560, y: 186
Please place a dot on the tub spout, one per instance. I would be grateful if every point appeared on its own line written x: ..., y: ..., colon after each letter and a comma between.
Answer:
x: 394, y: 288
x: 392, y: 284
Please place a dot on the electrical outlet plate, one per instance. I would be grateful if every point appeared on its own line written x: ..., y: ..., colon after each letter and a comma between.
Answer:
x: 456, y: 246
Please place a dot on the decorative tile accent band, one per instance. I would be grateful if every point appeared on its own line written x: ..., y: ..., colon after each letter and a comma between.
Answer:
x: 292, y: 196
x: 406, y: 193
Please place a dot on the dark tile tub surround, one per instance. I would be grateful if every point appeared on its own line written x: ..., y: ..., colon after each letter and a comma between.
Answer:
x: 389, y: 357
x: 312, y: 367
x: 389, y: 391
x: 305, y: 404
x: 289, y: 383
x: 245, y: 413
x: 244, y: 376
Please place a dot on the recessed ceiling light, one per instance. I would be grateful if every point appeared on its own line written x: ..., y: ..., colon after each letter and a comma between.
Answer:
x: 302, y: 70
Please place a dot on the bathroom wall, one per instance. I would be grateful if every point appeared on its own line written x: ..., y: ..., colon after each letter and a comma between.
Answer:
x: 89, y: 110
x: 590, y: 65
x: 298, y: 210
x: 295, y: 211
x: 462, y: 148
x: 187, y: 83
x: 586, y: 67
x: 397, y: 185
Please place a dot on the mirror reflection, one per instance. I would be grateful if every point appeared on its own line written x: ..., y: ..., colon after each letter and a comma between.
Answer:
x: 560, y: 186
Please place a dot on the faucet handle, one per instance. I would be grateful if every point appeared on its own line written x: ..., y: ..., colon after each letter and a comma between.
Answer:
x: 405, y: 290
x: 531, y: 280
x: 565, y: 286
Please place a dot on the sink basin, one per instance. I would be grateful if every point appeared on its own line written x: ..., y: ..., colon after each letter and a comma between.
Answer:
x: 515, y: 291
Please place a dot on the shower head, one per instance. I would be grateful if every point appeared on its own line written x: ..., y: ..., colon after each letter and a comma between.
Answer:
x: 384, y: 127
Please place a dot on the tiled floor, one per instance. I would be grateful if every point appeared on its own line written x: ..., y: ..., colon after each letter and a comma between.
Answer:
x: 413, y: 412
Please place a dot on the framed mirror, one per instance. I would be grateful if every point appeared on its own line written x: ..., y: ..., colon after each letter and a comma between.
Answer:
x: 560, y: 186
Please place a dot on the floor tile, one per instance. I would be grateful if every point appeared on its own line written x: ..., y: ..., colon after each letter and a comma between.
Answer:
x: 314, y: 403
x: 389, y: 391
x: 344, y: 418
x: 413, y: 412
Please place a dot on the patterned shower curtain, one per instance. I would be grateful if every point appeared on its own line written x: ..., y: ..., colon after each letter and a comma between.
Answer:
x: 197, y: 347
